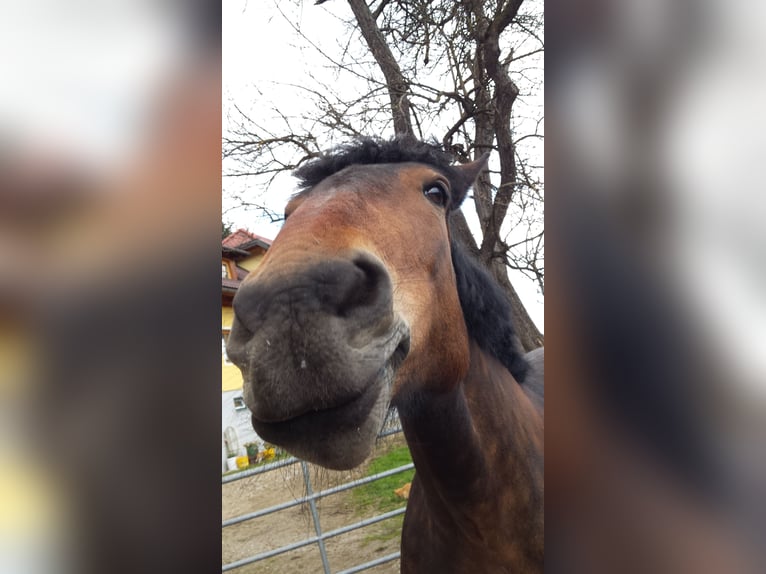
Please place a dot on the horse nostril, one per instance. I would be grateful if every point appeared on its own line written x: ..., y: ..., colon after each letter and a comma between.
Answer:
x: 367, y: 286
x: 401, y: 351
x: 356, y: 289
x: 237, y: 342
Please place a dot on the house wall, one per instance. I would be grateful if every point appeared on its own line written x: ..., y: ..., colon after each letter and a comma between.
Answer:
x: 251, y: 262
x: 239, y: 420
x: 231, y: 384
x: 231, y: 378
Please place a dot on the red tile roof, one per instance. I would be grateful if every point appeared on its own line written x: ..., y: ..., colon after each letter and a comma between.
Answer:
x: 235, y: 247
x: 231, y: 284
x: 242, y: 237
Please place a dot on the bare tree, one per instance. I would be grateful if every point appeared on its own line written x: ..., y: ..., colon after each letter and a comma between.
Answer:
x: 444, y: 69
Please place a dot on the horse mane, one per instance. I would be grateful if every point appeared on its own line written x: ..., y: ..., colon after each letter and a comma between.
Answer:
x: 486, y: 309
x: 487, y: 312
x: 367, y: 150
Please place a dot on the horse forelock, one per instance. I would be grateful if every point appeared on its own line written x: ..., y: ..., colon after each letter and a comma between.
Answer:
x: 367, y: 150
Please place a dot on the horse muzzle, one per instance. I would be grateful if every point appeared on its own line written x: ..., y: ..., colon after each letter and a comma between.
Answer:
x: 318, y: 348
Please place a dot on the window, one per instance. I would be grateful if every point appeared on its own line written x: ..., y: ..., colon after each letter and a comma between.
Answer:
x: 224, y: 270
x: 224, y: 340
x: 239, y: 404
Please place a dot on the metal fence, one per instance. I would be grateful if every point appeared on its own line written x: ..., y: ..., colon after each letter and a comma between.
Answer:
x: 391, y: 427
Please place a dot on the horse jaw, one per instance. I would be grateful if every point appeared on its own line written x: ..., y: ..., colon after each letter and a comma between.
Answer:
x: 338, y: 438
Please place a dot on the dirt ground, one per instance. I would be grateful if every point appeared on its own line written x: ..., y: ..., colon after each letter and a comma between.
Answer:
x: 294, y: 524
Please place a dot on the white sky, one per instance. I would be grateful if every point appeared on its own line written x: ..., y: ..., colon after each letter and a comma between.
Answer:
x: 259, y: 59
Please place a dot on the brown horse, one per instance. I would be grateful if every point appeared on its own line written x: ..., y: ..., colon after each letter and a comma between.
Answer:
x: 362, y: 300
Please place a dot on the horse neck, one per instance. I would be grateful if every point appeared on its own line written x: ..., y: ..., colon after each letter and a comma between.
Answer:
x: 477, y: 442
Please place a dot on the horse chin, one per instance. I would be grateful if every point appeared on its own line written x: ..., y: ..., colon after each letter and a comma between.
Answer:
x: 340, y: 437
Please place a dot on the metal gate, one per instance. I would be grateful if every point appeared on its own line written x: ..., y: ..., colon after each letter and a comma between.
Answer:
x: 391, y: 427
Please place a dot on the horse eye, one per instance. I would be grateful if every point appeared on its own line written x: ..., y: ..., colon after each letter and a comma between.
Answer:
x: 436, y: 194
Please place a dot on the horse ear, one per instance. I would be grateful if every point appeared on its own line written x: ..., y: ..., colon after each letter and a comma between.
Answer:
x: 468, y: 173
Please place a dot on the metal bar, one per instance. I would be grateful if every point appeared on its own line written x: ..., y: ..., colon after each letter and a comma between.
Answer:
x: 269, y: 554
x: 281, y: 463
x: 264, y: 512
x: 371, y: 563
x: 313, y: 540
x: 315, y: 516
x: 311, y: 497
x: 384, y: 434
x: 258, y: 470
x: 320, y: 494
x: 365, y: 480
x: 365, y: 522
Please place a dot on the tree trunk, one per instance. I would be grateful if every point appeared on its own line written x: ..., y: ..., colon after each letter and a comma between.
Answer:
x: 395, y: 80
x: 528, y: 333
x: 493, y: 124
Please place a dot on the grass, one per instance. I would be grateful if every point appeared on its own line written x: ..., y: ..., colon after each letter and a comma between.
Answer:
x: 379, y: 495
x: 385, y: 531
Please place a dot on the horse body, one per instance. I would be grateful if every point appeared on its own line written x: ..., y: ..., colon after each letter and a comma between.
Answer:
x: 476, y: 497
x: 362, y: 301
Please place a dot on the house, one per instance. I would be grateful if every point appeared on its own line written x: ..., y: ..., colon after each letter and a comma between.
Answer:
x: 241, y: 252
